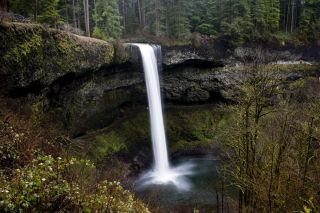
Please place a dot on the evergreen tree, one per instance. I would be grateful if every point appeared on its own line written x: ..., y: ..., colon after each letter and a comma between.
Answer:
x: 258, y: 11
x: 179, y: 21
x: 231, y: 21
x: 272, y: 15
x: 22, y: 7
x: 48, y: 12
x: 107, y: 20
x: 236, y: 24
x: 205, y: 16
x: 155, y: 17
x: 309, y: 25
x: 43, y: 11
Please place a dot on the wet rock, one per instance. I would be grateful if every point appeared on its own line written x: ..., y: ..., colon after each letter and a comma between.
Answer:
x: 33, y: 57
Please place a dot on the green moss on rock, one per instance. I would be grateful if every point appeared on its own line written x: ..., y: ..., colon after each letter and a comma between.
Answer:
x: 106, y: 145
x: 33, y: 53
x: 189, y: 128
x: 18, y: 53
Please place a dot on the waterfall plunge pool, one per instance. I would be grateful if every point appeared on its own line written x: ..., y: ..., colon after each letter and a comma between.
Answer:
x: 185, y: 183
x: 204, y: 192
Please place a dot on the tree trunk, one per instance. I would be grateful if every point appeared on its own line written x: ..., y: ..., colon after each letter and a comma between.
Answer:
x: 74, y: 14
x: 139, y: 12
x: 66, y: 11
x: 3, y: 5
x: 287, y: 19
x: 35, y: 15
x: 143, y: 14
x: 292, y: 16
x: 86, y: 17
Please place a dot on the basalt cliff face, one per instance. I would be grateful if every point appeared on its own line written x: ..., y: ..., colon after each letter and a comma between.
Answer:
x: 86, y: 84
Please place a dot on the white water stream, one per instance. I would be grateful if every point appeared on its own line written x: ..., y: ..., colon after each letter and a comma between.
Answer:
x: 162, y: 173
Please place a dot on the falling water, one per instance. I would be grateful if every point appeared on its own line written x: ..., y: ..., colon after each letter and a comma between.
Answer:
x: 161, y: 173
x: 159, y: 143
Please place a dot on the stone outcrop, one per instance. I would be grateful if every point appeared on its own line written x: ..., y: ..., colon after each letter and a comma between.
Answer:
x: 85, y: 84
x: 33, y: 57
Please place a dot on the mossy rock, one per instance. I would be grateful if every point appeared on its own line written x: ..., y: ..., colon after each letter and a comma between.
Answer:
x: 32, y: 53
x: 187, y: 129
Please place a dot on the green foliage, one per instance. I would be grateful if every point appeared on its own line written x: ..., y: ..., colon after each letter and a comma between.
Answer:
x: 32, y: 53
x: 234, y: 21
x: 309, y: 29
x: 10, y: 140
x: 236, y: 25
x: 272, y: 134
x: 45, y: 186
x: 186, y: 129
x: 310, y: 206
x: 99, y: 33
x: 22, y: 51
x: 107, y: 20
x: 38, y: 114
x: 180, y: 22
x: 206, y: 29
x: 155, y: 17
x: 106, y: 145
x: 64, y: 46
x: 43, y: 11
x: 48, y: 12
x: 297, y: 84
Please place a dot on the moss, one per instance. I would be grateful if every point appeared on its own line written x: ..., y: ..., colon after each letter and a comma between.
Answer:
x: 65, y: 56
x: 120, y: 55
x: 32, y: 53
x: 106, y: 145
x: 38, y: 113
x: 64, y: 46
x: 108, y: 55
x: 304, y: 68
x: 297, y: 84
x: 21, y: 51
x: 187, y: 128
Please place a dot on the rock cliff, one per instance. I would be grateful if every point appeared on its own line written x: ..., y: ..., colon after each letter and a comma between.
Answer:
x: 85, y: 84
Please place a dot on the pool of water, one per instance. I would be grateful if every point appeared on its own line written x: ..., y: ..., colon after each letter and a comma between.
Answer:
x: 204, y: 181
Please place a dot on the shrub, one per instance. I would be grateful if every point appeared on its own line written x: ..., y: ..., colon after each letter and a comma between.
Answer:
x: 46, y: 185
x: 206, y: 29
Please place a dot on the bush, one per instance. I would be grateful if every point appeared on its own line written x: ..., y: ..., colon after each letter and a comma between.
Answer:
x: 206, y: 29
x: 9, y: 141
x: 98, y: 33
x: 48, y: 185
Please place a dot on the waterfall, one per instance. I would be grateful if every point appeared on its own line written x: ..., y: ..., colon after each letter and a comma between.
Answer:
x: 159, y: 144
x: 161, y: 173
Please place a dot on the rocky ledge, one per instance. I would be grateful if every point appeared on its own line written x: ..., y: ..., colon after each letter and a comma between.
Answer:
x: 33, y: 57
x: 85, y: 84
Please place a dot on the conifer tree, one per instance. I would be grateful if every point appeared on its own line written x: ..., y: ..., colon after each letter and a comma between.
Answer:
x: 272, y: 15
x: 309, y: 25
x: 107, y: 20
x: 155, y: 17
x: 236, y: 23
x: 180, y: 22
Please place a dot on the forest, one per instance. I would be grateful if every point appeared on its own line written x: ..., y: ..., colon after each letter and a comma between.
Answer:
x: 180, y: 106
x: 232, y: 21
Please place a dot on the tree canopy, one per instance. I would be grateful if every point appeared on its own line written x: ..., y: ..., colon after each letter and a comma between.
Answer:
x: 235, y: 21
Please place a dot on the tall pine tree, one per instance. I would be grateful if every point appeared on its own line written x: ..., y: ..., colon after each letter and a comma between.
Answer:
x: 309, y: 25
x: 107, y: 20
x: 180, y: 19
